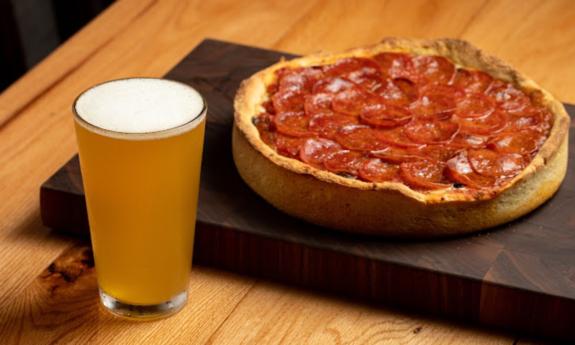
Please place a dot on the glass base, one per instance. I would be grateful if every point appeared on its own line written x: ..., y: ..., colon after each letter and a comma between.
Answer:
x: 143, y: 312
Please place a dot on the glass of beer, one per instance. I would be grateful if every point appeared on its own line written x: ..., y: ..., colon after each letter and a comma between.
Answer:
x: 140, y: 143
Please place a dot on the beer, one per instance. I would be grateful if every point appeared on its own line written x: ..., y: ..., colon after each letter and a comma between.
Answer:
x: 140, y: 143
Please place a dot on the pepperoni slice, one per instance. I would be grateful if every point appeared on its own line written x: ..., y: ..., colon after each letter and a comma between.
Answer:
x: 344, y: 162
x: 525, y: 141
x: 397, y: 137
x: 507, y: 97
x: 440, y: 153
x: 315, y: 151
x: 472, y: 80
x: 423, y: 174
x: 299, y: 79
x: 395, y: 65
x: 474, y: 105
x: 385, y: 116
x: 294, y: 124
x: 350, y: 101
x: 288, y: 101
x: 376, y: 170
x: 397, y: 155
x: 369, y: 82
x: 265, y: 125
x: 399, y: 91
x: 490, y: 163
x: 332, y: 85
x: 433, y: 69
x: 432, y: 132
x: 459, y: 170
x: 361, y: 71
x: 269, y: 107
x: 317, y: 103
x: 327, y: 124
x: 535, y: 118
x: 272, y: 88
x: 350, y: 67
x: 485, y: 125
x: 288, y: 146
x: 433, y: 106
x: 468, y: 140
x: 361, y: 138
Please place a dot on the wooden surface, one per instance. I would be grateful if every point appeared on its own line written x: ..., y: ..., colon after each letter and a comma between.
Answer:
x: 494, y: 278
x: 141, y: 37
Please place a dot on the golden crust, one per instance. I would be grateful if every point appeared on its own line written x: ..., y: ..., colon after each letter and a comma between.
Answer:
x: 431, y: 213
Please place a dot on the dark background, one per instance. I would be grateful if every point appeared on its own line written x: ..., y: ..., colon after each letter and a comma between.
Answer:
x: 32, y: 29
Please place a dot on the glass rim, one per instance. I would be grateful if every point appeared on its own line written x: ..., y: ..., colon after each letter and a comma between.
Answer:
x: 164, y: 133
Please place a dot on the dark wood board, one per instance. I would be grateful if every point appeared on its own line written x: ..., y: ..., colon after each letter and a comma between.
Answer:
x: 520, y: 276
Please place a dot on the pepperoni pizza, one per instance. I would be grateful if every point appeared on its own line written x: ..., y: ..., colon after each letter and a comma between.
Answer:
x: 407, y: 138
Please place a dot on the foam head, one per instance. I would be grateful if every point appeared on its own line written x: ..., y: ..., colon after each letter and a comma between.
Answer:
x: 139, y: 105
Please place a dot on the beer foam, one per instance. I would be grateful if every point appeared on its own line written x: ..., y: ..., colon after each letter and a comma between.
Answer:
x: 139, y: 105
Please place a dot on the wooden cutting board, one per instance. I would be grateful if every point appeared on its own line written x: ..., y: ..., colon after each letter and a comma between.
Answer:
x: 519, y: 276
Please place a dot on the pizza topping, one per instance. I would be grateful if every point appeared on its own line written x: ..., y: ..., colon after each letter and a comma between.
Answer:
x: 484, y: 125
x: 360, y: 137
x: 288, y: 101
x: 385, y: 116
x: 397, y: 117
x: 264, y: 124
x: 464, y: 139
x: 300, y: 79
x: 399, y: 91
x: 353, y: 67
x: 328, y: 124
x: 288, y: 146
x: 474, y: 105
x: 397, y: 155
x: 315, y: 151
x: 433, y: 106
x: 395, y: 65
x: 459, y: 170
x: 332, y: 85
x: 344, y: 161
x: 490, y: 163
x: 294, y: 124
x: 524, y: 141
x: 397, y: 137
x: 317, y: 103
x: 472, y: 81
x: 376, y: 170
x: 433, y: 69
x: 350, y: 101
x: 508, y: 97
x: 423, y: 174
x: 431, y: 132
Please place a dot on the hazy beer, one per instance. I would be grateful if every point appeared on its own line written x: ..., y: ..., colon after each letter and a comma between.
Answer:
x: 140, y: 142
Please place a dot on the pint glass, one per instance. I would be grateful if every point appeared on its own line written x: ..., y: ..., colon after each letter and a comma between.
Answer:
x: 140, y: 143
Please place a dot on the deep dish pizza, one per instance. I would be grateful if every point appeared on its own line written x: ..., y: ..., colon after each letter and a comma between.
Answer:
x: 406, y: 138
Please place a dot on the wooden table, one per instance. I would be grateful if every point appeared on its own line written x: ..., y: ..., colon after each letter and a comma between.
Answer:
x: 47, y: 288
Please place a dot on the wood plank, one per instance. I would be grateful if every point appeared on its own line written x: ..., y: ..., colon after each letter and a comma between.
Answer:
x: 493, y: 278
x: 272, y: 314
x: 39, y: 138
x: 62, y: 306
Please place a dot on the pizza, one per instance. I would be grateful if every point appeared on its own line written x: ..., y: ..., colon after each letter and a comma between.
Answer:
x: 407, y: 138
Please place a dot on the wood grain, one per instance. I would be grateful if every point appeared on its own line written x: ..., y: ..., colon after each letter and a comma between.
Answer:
x: 61, y: 306
x: 493, y: 277
x: 149, y: 37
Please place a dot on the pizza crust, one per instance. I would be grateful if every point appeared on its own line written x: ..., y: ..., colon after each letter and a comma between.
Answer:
x: 392, y: 208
